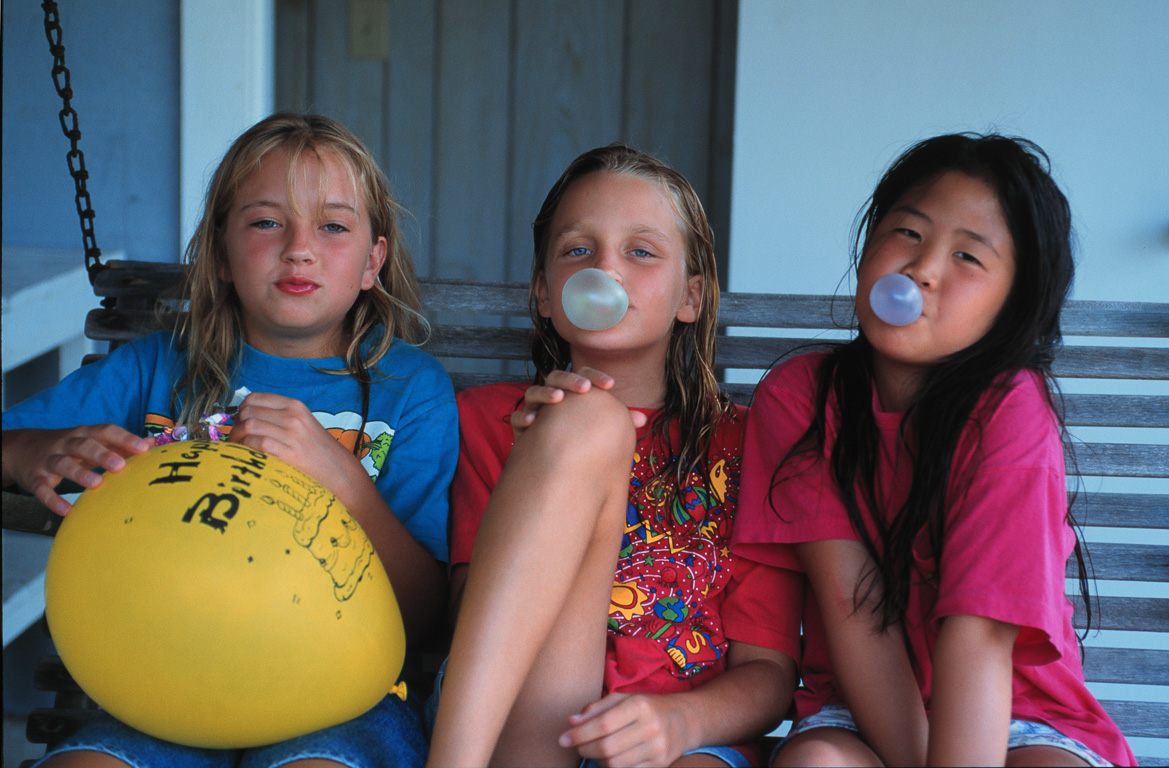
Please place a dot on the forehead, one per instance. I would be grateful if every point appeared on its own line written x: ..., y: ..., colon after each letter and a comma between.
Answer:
x: 320, y: 173
x: 955, y: 194
x: 618, y: 199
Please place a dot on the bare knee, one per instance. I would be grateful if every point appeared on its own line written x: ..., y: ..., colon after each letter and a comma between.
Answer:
x: 826, y: 746
x: 592, y: 430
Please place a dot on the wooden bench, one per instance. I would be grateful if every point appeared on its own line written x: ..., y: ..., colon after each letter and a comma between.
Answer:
x: 1115, y: 369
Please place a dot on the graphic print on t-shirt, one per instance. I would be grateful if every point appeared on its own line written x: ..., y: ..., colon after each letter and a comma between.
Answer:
x: 674, y: 556
x: 375, y: 439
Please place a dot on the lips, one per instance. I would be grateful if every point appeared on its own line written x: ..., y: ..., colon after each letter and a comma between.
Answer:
x: 296, y: 286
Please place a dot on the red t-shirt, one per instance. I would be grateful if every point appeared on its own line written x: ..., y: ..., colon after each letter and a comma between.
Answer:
x: 1005, y: 548
x: 679, y: 593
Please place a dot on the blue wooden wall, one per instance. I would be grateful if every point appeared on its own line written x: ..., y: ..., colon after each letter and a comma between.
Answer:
x: 124, y: 60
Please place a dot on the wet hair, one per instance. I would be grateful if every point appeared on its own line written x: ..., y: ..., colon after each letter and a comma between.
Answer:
x: 211, y: 328
x: 1024, y: 336
x: 692, y: 391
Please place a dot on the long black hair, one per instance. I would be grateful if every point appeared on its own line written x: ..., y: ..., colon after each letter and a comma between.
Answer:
x: 1025, y: 335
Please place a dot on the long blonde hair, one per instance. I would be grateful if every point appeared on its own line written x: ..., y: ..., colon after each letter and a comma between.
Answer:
x: 692, y: 392
x: 211, y: 328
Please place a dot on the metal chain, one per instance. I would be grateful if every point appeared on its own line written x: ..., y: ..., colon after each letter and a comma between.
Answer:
x: 75, y: 158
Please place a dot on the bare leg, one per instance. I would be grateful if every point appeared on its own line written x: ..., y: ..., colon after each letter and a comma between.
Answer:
x: 529, y: 644
x: 827, y: 746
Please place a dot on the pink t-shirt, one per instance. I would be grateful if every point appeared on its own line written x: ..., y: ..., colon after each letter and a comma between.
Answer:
x: 1005, y: 546
x: 679, y: 594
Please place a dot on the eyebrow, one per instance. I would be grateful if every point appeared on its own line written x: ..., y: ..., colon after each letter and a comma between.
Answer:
x: 977, y: 237
x: 577, y: 227
x: 328, y: 206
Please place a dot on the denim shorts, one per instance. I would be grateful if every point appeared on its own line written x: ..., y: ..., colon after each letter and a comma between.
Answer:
x: 387, y: 736
x: 729, y: 755
x: 1024, y: 733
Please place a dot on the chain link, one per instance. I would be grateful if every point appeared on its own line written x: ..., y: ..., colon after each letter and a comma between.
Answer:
x: 74, y: 157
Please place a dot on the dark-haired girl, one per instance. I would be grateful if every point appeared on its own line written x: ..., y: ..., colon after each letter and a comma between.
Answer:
x: 916, y: 475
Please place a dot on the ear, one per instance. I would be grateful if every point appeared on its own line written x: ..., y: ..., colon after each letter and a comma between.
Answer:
x: 691, y: 301
x: 543, y: 299
x: 377, y: 257
x: 223, y: 270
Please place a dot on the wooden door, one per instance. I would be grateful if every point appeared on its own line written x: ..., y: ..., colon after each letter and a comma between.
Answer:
x: 474, y: 107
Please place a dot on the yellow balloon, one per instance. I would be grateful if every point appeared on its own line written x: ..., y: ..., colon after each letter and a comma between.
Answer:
x: 214, y: 596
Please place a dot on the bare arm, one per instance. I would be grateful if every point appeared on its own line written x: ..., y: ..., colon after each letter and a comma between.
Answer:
x: 970, y: 709
x: 871, y: 665
x: 742, y: 704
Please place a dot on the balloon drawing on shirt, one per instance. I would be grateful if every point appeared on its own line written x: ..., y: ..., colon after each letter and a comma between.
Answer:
x: 672, y: 556
x: 207, y: 590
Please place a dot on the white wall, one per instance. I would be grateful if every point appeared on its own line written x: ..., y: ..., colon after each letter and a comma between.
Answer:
x: 829, y: 92
x: 227, y: 72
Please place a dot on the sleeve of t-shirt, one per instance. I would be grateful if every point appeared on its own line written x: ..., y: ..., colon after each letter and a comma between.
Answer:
x: 485, y: 439
x: 422, y: 459
x: 763, y: 607
x: 112, y: 390
x: 800, y: 503
x: 1007, y: 541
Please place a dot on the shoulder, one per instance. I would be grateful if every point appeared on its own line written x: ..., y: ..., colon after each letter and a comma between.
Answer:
x: 796, y: 375
x: 403, y: 359
x: 1015, y: 424
x: 1020, y: 392
x: 485, y: 418
x: 503, y: 396
x: 788, y: 390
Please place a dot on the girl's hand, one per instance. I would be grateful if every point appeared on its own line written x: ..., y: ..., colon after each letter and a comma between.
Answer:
x: 552, y: 391
x: 39, y: 459
x: 285, y: 428
x: 625, y: 729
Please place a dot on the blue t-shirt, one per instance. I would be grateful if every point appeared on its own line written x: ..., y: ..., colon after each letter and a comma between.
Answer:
x: 412, y: 421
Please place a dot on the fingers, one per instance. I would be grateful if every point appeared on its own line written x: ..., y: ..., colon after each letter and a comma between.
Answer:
x: 273, y: 423
x: 74, y: 454
x: 579, y: 381
x: 620, y: 730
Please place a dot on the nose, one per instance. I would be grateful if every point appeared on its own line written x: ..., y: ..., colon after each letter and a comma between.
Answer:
x: 298, y: 246
x: 608, y: 260
x: 925, y: 268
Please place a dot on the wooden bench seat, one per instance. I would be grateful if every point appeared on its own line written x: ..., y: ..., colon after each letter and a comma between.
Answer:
x: 1114, y: 368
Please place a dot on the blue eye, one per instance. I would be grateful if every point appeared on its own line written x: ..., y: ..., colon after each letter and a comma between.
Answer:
x: 335, y: 228
x: 641, y: 253
x: 578, y: 251
x: 264, y: 224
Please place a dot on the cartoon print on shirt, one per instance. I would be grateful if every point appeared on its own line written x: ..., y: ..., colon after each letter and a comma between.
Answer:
x: 672, y: 555
x: 374, y: 441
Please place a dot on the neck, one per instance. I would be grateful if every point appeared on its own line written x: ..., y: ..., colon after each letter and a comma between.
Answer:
x: 639, y: 378
x: 896, y: 384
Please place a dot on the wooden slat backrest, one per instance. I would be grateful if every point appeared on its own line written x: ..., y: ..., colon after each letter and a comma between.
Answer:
x: 477, y: 326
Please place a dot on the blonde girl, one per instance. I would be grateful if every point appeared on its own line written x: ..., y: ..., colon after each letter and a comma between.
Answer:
x: 303, y: 308
x: 602, y: 616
